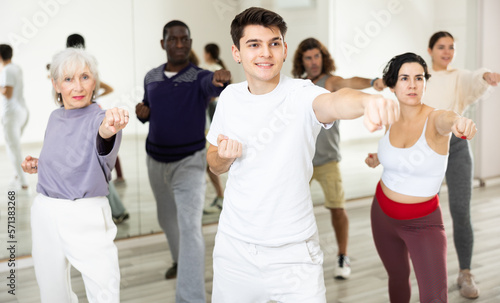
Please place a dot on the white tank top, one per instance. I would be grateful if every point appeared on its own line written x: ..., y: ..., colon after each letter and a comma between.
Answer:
x: 415, y: 171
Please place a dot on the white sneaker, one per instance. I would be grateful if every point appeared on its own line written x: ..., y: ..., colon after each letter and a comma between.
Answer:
x: 467, y: 285
x: 343, y: 267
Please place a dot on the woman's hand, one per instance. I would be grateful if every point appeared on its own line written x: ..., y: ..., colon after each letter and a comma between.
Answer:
x: 492, y: 78
x: 30, y: 165
x: 115, y: 120
x: 464, y: 128
x: 372, y: 160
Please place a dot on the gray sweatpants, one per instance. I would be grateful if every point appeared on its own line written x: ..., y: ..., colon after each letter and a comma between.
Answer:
x: 179, y: 190
x: 459, y: 181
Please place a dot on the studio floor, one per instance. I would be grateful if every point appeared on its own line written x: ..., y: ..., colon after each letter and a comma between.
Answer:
x: 145, y: 258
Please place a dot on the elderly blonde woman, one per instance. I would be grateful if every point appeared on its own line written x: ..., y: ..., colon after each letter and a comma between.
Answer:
x: 70, y: 218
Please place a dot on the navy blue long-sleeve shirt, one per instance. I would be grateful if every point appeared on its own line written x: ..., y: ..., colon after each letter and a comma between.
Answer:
x: 177, y: 111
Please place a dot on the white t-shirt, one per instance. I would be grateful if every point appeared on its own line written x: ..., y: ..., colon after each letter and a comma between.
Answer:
x: 455, y: 89
x: 267, y: 200
x: 12, y: 76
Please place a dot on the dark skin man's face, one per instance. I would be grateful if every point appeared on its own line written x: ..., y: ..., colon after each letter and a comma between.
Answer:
x: 177, y: 43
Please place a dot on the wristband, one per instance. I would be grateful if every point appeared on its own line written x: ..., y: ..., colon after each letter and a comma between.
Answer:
x: 373, y: 81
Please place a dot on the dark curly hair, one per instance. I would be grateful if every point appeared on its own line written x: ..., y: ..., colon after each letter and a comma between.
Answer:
x: 308, y: 44
x: 392, y: 68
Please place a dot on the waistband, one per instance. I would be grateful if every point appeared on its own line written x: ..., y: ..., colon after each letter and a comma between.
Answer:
x: 405, y: 211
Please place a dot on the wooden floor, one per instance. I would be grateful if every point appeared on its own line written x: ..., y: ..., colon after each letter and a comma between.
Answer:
x: 143, y: 260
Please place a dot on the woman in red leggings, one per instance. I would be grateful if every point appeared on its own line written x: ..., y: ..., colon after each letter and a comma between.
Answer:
x: 406, y: 217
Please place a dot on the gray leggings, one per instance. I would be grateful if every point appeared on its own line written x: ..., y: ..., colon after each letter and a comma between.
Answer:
x: 459, y: 181
x: 179, y: 190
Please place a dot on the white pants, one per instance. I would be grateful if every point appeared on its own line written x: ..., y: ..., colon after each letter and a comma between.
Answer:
x: 13, y: 122
x: 78, y: 233
x: 249, y: 273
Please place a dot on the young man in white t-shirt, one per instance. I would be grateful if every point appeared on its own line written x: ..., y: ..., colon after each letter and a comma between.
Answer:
x: 264, y: 133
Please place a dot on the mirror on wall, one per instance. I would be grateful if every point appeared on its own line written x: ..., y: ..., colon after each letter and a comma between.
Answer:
x: 126, y: 47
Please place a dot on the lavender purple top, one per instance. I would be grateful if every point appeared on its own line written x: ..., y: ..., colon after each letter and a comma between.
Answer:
x: 75, y: 162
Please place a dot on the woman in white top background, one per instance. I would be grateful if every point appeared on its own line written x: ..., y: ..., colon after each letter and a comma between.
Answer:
x: 454, y: 89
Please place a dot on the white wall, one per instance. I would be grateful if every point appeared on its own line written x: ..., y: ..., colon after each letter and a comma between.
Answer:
x: 487, y: 162
x: 124, y: 35
x: 368, y: 34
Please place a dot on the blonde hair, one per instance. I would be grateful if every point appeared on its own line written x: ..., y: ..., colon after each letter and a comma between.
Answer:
x: 68, y: 62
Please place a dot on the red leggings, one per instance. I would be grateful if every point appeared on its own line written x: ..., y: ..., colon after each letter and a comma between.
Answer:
x: 424, y: 241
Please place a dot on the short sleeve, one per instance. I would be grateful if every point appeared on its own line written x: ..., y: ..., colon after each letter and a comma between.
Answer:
x: 9, y: 77
x: 306, y: 95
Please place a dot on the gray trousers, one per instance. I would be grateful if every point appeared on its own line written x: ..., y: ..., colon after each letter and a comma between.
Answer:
x: 117, y: 208
x: 459, y: 181
x: 179, y: 190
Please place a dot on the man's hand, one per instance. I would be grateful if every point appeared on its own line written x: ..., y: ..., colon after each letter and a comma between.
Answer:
x: 228, y: 148
x: 30, y: 165
x: 115, y: 120
x: 380, y: 111
x: 221, y: 77
x: 379, y: 85
x: 464, y: 128
x: 142, y: 110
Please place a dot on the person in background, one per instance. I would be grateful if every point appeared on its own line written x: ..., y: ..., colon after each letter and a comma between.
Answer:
x: 455, y: 89
x: 405, y: 216
x: 176, y: 96
x: 15, y: 114
x: 71, y: 221
x: 313, y: 61
x: 213, y: 62
x: 263, y: 134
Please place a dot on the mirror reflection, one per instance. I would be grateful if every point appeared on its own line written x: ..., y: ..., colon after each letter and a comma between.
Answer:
x: 127, y: 48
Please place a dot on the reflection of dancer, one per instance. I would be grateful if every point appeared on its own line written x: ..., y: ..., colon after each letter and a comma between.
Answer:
x: 453, y: 89
x: 14, y: 112
x: 313, y: 61
x: 176, y: 95
x: 70, y: 217
x: 213, y: 63
x: 406, y: 217
x: 263, y: 134
x: 119, y: 211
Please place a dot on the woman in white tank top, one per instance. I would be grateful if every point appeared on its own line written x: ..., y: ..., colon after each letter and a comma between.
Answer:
x: 406, y: 217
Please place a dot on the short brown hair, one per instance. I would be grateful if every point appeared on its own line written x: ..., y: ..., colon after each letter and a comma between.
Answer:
x: 308, y: 44
x: 255, y: 16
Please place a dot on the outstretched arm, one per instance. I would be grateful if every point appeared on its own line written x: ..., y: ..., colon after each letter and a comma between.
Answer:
x: 220, y: 157
x: 350, y: 104
x: 335, y: 83
x: 491, y: 78
x: 449, y: 121
x: 115, y: 120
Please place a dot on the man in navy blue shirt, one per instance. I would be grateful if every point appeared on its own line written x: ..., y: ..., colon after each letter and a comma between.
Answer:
x: 176, y: 95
